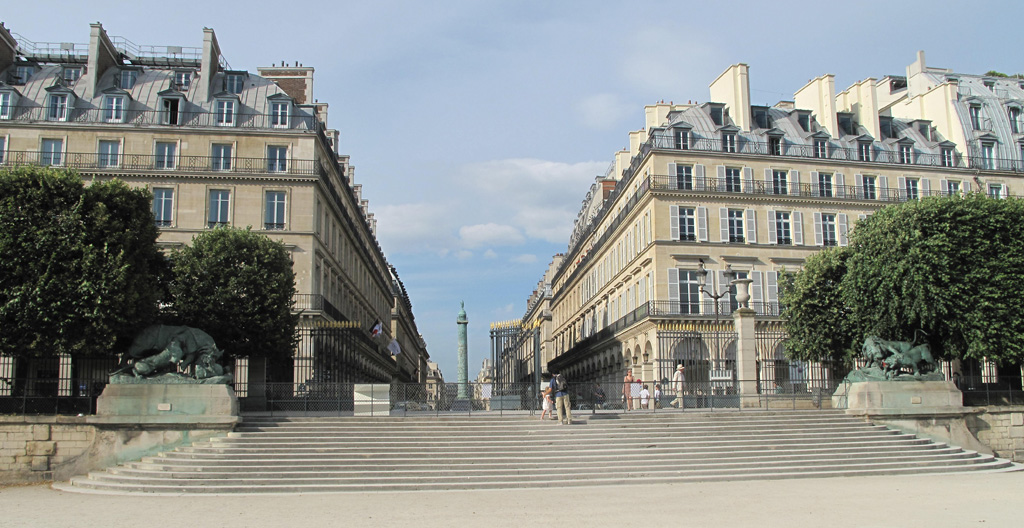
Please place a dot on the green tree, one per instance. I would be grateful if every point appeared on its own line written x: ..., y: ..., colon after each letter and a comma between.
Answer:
x: 239, y: 287
x: 816, y: 318
x: 79, y: 267
x: 951, y: 267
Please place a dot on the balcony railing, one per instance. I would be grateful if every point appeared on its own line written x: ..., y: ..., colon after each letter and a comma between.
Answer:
x: 802, y: 190
x: 317, y: 302
x: 189, y: 119
x: 150, y: 162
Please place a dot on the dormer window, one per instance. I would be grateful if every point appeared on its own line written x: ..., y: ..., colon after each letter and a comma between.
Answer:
x: 925, y: 129
x: 728, y: 142
x: 71, y: 74
x: 804, y: 120
x: 113, y: 108
x: 846, y: 123
x: 7, y: 101
x: 227, y: 110
x: 885, y: 127
x: 716, y: 115
x: 1013, y: 113
x: 279, y: 114
x: 947, y: 157
x: 22, y: 74
x: 864, y: 151
x: 820, y: 148
x: 127, y: 79
x: 170, y: 110
x: 906, y: 153
x: 975, y: 112
x: 989, y: 84
x: 234, y: 82
x: 761, y: 117
x: 57, y: 107
x: 681, y: 138
x: 775, y: 145
x: 182, y: 79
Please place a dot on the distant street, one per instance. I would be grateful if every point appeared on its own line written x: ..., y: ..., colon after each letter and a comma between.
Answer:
x: 932, y: 501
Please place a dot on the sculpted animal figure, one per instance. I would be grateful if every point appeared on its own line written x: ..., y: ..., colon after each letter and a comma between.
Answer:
x: 893, y: 356
x: 160, y: 349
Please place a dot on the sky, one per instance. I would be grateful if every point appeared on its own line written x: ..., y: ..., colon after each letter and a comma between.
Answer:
x: 477, y: 127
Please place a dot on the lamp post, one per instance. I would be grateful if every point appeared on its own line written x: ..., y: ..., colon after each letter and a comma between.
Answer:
x: 702, y: 280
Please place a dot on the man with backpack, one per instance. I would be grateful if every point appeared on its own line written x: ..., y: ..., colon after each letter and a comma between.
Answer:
x: 561, y: 389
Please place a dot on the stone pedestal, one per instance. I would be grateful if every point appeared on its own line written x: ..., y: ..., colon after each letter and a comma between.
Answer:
x: 166, y: 404
x: 898, y: 397
x: 746, y: 356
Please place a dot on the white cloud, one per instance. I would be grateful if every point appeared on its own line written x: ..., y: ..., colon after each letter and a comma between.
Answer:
x: 490, y: 234
x: 525, y: 258
x: 604, y: 111
x: 463, y: 254
x: 490, y: 254
x: 414, y: 227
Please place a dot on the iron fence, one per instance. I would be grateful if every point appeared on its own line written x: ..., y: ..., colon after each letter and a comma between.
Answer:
x: 49, y: 396
x: 991, y: 390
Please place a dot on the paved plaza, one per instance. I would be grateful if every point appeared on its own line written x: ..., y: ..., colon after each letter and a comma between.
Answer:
x: 949, y: 500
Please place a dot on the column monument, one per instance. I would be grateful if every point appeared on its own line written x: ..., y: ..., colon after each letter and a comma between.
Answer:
x: 463, y: 323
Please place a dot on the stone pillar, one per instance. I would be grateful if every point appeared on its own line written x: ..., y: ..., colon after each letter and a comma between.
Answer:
x: 463, y: 374
x: 746, y: 357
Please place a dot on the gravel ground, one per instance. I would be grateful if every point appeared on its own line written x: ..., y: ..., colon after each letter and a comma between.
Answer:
x: 992, y: 500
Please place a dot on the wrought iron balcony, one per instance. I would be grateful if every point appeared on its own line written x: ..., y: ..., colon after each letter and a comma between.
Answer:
x: 187, y: 119
x: 802, y: 190
x: 157, y: 163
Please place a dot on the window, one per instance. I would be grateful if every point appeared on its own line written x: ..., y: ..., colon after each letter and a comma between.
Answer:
x: 170, y: 110
x: 221, y: 157
x: 846, y: 123
x: 736, y: 225
x: 732, y: 180
x: 182, y: 79
x: 225, y: 112
x: 165, y: 154
x: 885, y: 127
x: 783, y: 231
x: 825, y: 184
x: 684, y: 177
x: 23, y: 73
x: 277, y: 159
x: 682, y: 139
x: 864, y: 151
x: 828, y: 229
x: 52, y: 152
x: 910, y: 187
x: 3, y: 149
x: 775, y: 146
x: 820, y: 148
x: 869, y: 188
x: 689, y: 292
x: 761, y: 117
x: 1014, y: 114
x: 995, y: 190
x: 906, y: 154
x: 687, y: 224
x: 128, y: 78
x: 274, y: 216
x: 109, y: 153
x: 947, y: 157
x: 925, y: 130
x: 58, y: 107
x: 780, y: 184
x: 804, y: 120
x: 952, y: 187
x: 716, y: 115
x: 279, y: 114
x: 71, y: 74
x: 5, y: 105
x: 163, y: 207
x: 988, y: 156
x: 113, y: 108
x: 975, y: 112
x: 728, y: 142
x: 234, y: 83
x: 220, y: 201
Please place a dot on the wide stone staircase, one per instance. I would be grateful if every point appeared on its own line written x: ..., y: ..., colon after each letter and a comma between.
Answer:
x: 345, y: 454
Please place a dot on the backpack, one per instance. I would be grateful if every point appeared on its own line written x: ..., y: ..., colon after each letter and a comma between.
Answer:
x: 560, y: 384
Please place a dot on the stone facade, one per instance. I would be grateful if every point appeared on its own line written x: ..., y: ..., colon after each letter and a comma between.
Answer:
x: 1002, y: 430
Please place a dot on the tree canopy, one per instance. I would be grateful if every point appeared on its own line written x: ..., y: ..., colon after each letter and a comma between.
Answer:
x: 817, y: 318
x: 239, y: 287
x: 79, y: 267
x: 950, y: 267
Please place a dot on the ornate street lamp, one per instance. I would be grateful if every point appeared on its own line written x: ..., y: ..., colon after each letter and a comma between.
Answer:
x: 702, y: 280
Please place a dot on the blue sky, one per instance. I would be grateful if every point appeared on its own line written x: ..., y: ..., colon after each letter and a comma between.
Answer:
x: 476, y: 127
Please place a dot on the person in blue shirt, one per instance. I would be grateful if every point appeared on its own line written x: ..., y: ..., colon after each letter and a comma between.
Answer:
x: 561, y: 389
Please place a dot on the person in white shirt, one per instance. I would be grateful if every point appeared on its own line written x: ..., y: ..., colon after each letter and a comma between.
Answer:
x: 645, y: 395
x: 678, y: 383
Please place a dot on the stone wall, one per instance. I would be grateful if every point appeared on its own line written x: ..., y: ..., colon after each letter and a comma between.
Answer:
x: 1001, y: 429
x: 45, y: 448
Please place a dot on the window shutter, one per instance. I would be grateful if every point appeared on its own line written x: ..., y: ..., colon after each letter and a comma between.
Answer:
x: 748, y: 180
x: 926, y: 187
x: 673, y: 212
x: 840, y: 185
x: 756, y: 299
x: 772, y: 287
x: 794, y: 182
x: 702, y: 224
x: 814, y: 183
x: 698, y: 176
x: 1005, y: 191
x: 721, y: 178
x: 723, y: 286
x: 723, y: 215
x: 751, y: 226
x: 768, y: 181
x: 673, y: 286
x: 773, y: 236
x: 797, y: 219
x: 858, y: 182
x: 901, y: 184
x: 819, y: 238
x: 883, y: 183
x: 673, y: 180
x: 842, y: 227
x: 944, y: 187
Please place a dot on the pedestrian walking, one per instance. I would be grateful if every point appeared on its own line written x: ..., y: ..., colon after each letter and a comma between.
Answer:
x: 598, y: 396
x: 657, y: 396
x: 634, y: 392
x: 645, y: 396
x: 627, y: 387
x: 678, y: 384
x: 548, y: 405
